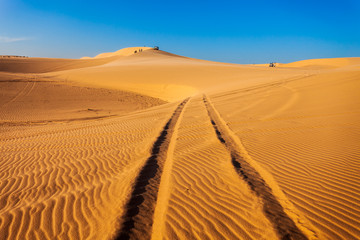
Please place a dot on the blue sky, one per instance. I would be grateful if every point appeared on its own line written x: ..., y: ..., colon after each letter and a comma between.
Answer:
x: 254, y: 31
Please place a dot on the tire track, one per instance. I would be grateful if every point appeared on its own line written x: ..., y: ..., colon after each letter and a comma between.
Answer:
x: 282, y: 223
x: 139, y: 211
x: 23, y: 92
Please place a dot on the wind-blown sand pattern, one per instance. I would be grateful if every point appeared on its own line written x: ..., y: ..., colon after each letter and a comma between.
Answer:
x: 304, y: 134
x: 64, y: 181
x: 158, y: 146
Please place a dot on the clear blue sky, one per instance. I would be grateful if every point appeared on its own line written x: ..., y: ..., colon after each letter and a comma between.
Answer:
x: 252, y: 31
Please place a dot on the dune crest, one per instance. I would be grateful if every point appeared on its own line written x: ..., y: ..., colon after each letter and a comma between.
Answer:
x: 325, y: 63
x: 123, y: 52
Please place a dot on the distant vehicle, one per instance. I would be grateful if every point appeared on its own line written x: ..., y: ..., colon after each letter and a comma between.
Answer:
x: 156, y: 48
x: 273, y: 64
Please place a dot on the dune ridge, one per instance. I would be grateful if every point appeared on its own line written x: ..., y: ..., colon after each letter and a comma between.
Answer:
x: 325, y: 63
x: 123, y: 52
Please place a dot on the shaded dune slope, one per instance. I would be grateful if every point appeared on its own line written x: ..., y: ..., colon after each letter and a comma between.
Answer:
x: 43, y: 65
x: 30, y: 99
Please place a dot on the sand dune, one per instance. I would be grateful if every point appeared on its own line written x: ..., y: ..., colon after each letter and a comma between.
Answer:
x: 61, y: 101
x: 123, y: 52
x: 152, y: 145
x: 171, y: 77
x: 325, y: 63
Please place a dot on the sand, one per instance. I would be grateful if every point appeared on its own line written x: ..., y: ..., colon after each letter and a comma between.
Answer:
x: 152, y: 145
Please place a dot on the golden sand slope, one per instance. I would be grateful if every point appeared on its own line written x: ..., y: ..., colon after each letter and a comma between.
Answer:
x: 171, y: 77
x: 305, y: 134
x: 325, y: 63
x: 269, y: 153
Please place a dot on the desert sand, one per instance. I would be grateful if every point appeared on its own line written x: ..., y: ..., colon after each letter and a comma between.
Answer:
x: 152, y: 145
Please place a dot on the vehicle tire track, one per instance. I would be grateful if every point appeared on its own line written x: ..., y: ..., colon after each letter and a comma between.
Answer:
x: 23, y: 92
x: 282, y: 223
x: 139, y: 211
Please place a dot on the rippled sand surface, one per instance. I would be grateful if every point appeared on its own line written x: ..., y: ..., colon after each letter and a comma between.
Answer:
x: 158, y: 146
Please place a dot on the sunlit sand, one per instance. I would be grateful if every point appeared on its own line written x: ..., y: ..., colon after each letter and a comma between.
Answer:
x: 152, y: 145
